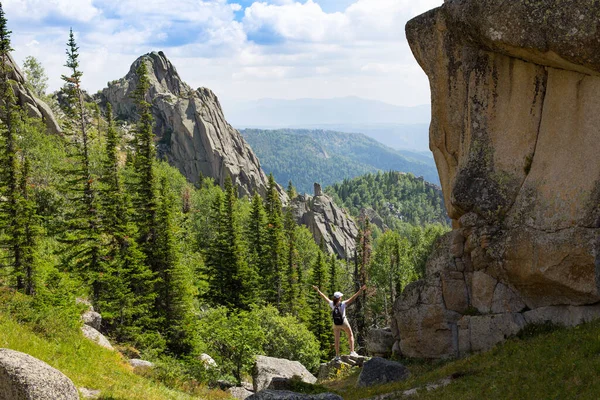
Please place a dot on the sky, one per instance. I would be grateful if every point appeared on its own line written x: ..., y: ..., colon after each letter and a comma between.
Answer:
x: 241, y: 49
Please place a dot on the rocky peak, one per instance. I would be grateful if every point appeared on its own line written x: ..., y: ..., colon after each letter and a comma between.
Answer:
x: 191, y: 130
x: 327, y: 222
x: 34, y: 107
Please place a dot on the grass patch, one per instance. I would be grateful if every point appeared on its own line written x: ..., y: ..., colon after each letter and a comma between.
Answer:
x: 545, y: 362
x: 84, y: 362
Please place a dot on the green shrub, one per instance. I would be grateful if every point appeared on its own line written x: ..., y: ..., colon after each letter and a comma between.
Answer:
x: 232, y: 339
x: 287, y: 338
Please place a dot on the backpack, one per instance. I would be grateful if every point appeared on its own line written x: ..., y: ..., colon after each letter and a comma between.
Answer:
x: 338, y: 318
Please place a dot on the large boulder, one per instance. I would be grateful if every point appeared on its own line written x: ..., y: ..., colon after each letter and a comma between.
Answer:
x: 515, y: 99
x: 287, y: 395
x: 239, y: 392
x: 191, y: 129
x: 378, y: 371
x: 23, y: 377
x: 96, y: 337
x: 267, y: 368
x: 379, y: 342
x: 140, y: 365
x: 93, y: 319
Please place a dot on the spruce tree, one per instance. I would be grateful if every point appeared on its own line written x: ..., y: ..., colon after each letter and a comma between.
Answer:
x: 127, y: 300
x: 273, y: 274
x: 145, y: 154
x: 362, y: 262
x: 293, y: 296
x: 174, y: 290
x: 320, y: 323
x: 215, y: 254
x: 333, y: 274
x: 255, y: 234
x: 18, y: 211
x: 81, y: 232
x: 31, y: 232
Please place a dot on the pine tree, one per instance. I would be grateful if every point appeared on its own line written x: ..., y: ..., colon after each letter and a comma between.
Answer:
x: 333, y: 274
x: 17, y: 210
x: 215, y: 254
x: 255, y: 234
x: 144, y: 164
x: 291, y: 191
x: 175, y: 294
x: 293, y: 296
x: 362, y: 261
x: 31, y: 232
x: 128, y: 297
x: 320, y: 323
x: 81, y: 230
x: 273, y: 274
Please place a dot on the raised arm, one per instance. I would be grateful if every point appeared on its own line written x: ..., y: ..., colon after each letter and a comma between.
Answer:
x: 321, y: 294
x: 351, y: 299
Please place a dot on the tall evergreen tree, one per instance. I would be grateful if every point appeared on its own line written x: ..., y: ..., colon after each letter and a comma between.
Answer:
x: 255, y: 234
x: 232, y: 281
x: 31, y: 230
x: 174, y: 291
x: 127, y: 300
x: 144, y: 164
x: 82, y: 229
x: 273, y: 275
x: 362, y: 261
x: 333, y: 274
x: 320, y: 323
x: 17, y: 210
x: 293, y: 296
x: 215, y: 254
x: 10, y: 170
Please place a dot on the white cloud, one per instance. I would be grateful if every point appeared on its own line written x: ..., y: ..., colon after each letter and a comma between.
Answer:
x: 76, y: 10
x: 296, y: 21
x: 297, y: 49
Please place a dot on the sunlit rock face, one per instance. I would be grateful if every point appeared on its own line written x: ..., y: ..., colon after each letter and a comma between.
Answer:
x: 515, y: 132
x: 191, y: 129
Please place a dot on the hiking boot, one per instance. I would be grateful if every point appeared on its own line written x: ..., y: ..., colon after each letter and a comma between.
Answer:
x: 337, y: 358
x: 354, y: 354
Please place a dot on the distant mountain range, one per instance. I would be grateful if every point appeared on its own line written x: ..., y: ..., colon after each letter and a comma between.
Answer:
x: 327, y: 157
x: 395, y: 126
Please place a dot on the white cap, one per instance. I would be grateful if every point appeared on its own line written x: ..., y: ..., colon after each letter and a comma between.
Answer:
x: 337, y: 295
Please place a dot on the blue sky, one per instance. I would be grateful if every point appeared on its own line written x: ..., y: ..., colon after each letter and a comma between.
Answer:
x: 241, y: 49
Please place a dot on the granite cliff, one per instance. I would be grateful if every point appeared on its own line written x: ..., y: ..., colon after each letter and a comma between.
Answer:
x: 190, y: 127
x: 326, y: 221
x: 27, y: 100
x: 515, y: 115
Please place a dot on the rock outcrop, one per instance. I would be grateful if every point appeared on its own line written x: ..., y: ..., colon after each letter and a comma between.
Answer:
x: 514, y: 132
x: 34, y: 107
x: 96, y: 337
x: 190, y: 127
x: 139, y: 365
x: 287, y: 395
x: 23, y: 377
x: 267, y: 368
x: 327, y: 222
x: 92, y: 318
x: 333, y: 368
x: 379, y: 371
x: 380, y: 342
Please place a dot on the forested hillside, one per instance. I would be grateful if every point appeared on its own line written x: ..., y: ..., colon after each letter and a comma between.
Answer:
x: 397, y: 197
x: 326, y: 157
